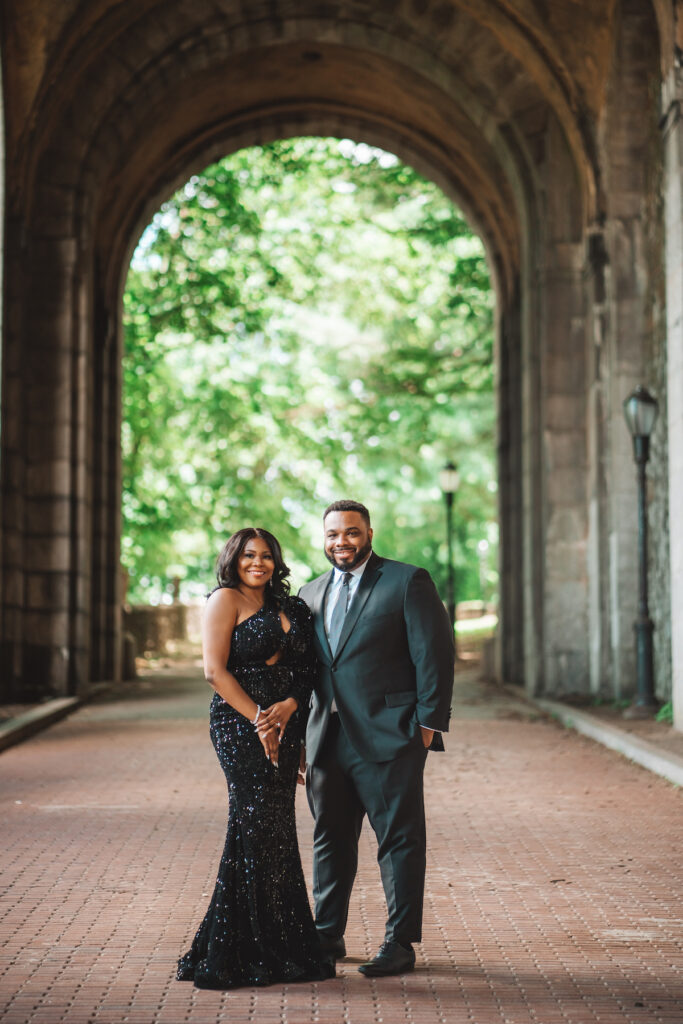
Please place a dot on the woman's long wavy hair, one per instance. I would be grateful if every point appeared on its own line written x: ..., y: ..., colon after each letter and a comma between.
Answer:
x: 277, y: 588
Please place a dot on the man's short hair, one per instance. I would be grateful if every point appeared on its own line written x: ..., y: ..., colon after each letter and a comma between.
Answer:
x: 346, y: 505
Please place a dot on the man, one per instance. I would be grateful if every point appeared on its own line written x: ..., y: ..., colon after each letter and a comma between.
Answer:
x: 382, y: 697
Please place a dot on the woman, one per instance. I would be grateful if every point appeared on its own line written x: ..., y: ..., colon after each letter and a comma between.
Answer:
x: 258, y: 658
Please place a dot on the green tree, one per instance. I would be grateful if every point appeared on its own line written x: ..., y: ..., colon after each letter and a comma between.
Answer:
x: 303, y: 321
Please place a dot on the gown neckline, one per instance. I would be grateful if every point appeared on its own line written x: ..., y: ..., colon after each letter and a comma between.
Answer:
x: 263, y: 608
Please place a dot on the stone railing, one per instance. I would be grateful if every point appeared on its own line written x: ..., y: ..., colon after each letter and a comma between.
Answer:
x: 154, y: 627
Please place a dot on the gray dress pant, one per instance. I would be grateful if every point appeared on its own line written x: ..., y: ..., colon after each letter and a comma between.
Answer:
x: 342, y: 788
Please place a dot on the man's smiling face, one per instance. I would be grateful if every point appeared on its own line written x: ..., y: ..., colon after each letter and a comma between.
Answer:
x: 348, y: 539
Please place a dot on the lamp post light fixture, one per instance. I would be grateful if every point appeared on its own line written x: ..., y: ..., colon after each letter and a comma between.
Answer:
x: 449, y: 479
x: 483, y: 552
x: 640, y: 412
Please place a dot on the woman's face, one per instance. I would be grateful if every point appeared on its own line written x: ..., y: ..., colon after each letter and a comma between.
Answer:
x: 255, y: 565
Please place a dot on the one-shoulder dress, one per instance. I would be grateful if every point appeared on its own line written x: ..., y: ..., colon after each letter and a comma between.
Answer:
x: 259, y: 928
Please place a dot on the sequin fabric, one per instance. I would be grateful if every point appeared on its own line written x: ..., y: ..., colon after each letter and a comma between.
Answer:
x: 259, y: 929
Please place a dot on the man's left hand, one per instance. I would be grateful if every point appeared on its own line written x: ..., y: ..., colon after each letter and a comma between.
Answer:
x: 301, y: 775
x: 427, y: 735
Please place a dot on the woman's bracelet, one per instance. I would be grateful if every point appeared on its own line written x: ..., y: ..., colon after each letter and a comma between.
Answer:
x: 254, y: 721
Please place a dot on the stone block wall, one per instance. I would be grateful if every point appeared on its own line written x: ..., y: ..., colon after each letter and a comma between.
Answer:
x: 541, y: 121
x: 154, y: 627
x: 673, y: 190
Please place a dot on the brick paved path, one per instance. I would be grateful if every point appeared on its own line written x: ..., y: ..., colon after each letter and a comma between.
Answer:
x: 553, y: 889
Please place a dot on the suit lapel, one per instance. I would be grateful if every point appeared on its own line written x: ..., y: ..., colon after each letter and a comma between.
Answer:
x: 317, y: 607
x: 372, y: 572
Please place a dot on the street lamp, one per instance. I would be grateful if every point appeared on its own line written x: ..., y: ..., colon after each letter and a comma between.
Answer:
x: 449, y: 479
x: 483, y: 551
x: 640, y: 412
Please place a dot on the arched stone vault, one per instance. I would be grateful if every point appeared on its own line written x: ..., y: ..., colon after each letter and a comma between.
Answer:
x: 502, y: 103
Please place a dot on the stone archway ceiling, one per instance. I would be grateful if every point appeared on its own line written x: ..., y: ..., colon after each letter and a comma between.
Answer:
x: 406, y: 115
x: 122, y: 100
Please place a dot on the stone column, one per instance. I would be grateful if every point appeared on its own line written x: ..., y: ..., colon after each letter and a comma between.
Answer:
x: 54, y: 538
x: 510, y: 651
x: 616, y: 352
x: 46, y: 515
x: 623, y: 268
x: 12, y: 465
x: 530, y: 590
x: 597, y: 447
x: 673, y: 195
x: 105, y: 640
x: 624, y: 357
x: 563, y: 462
x: 554, y: 433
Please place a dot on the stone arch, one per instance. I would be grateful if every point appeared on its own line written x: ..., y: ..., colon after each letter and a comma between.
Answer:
x: 485, y: 100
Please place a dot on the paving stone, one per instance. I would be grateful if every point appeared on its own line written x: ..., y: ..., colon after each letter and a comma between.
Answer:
x: 553, y: 886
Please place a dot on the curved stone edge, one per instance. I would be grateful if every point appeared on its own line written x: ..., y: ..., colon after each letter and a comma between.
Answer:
x: 15, y: 730
x: 647, y: 755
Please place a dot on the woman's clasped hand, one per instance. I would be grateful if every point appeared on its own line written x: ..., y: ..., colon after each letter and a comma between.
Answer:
x: 271, y: 725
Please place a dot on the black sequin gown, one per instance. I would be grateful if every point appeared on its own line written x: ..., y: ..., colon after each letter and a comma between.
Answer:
x: 259, y: 929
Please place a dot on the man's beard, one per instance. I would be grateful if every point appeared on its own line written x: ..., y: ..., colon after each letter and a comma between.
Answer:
x: 359, y: 557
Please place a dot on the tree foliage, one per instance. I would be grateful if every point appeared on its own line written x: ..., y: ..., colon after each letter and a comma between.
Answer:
x: 305, y: 321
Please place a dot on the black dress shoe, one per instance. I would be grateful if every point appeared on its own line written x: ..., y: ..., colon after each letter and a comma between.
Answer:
x: 393, y: 958
x: 335, y: 948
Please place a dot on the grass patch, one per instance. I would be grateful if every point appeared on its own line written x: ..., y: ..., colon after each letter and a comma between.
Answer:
x: 666, y: 713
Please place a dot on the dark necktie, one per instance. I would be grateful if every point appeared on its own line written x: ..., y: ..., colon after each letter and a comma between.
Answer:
x: 339, y: 612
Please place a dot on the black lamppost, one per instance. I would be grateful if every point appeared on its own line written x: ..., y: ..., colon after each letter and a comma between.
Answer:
x: 640, y: 411
x: 449, y: 479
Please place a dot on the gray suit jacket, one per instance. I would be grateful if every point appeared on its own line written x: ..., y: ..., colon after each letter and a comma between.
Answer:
x: 393, y: 668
